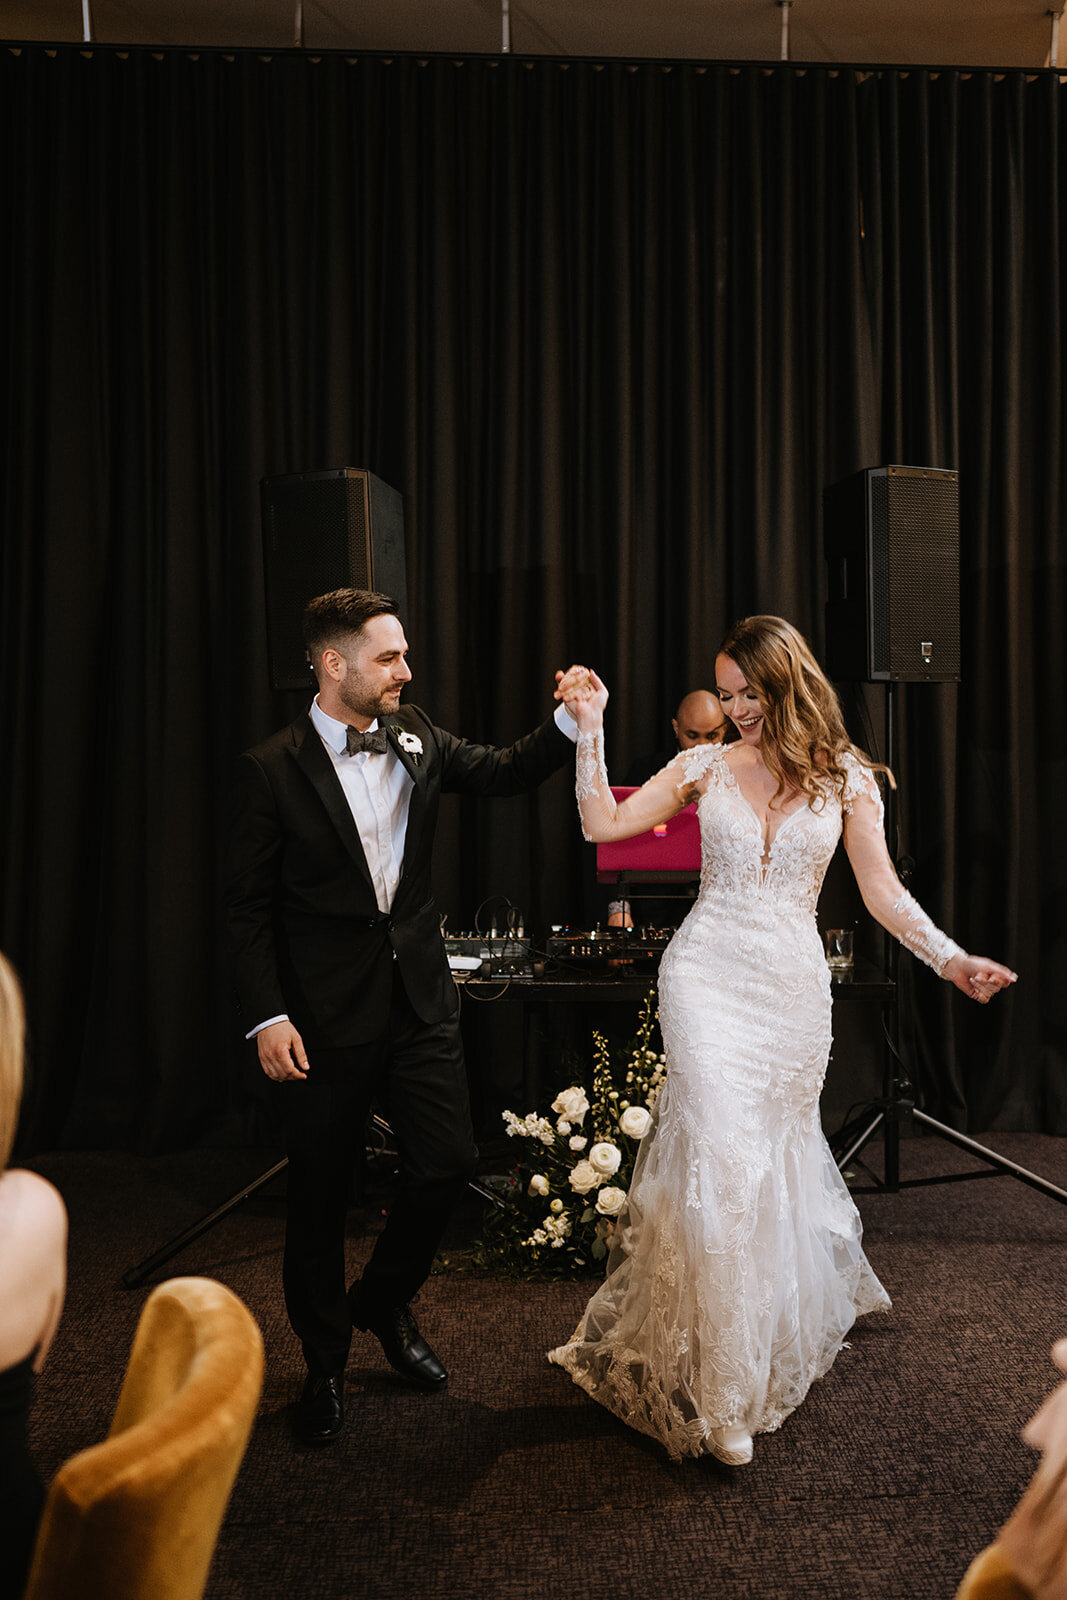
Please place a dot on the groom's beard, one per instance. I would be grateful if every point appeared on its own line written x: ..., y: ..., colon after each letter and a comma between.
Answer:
x: 364, y: 699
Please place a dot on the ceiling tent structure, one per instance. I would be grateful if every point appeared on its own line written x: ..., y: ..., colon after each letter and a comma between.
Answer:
x: 960, y: 33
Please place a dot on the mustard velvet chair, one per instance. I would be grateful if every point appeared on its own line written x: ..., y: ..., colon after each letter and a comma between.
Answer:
x: 990, y: 1576
x: 137, y: 1516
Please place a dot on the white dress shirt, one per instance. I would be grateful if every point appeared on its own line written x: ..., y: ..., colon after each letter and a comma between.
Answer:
x: 378, y: 791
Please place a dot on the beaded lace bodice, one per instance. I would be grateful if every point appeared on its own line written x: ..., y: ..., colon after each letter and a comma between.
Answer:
x: 786, y: 864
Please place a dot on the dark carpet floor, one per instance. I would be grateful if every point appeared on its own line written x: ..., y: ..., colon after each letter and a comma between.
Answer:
x: 512, y: 1485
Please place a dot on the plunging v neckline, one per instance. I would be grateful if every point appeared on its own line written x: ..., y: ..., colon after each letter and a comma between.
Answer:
x: 787, y: 816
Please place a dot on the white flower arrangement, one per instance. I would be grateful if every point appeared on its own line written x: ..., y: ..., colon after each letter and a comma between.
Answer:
x: 634, y: 1122
x: 605, y: 1159
x: 584, y: 1176
x: 529, y: 1127
x: 571, y: 1105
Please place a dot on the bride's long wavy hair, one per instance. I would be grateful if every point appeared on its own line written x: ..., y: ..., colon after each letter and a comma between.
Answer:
x: 803, y: 738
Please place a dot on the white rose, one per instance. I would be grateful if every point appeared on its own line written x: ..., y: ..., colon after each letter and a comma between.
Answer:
x: 609, y: 1202
x: 605, y: 1159
x: 538, y: 1184
x: 634, y: 1122
x: 583, y: 1178
x: 579, y: 1141
x: 571, y: 1104
x: 563, y: 1126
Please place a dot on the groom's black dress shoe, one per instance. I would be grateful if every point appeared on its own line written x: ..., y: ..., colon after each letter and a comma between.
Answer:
x: 320, y: 1415
x: 405, y: 1349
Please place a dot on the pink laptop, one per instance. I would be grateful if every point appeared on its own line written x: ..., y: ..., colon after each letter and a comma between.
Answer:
x: 670, y: 850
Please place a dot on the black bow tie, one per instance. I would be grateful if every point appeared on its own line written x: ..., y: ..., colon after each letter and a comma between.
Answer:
x: 375, y: 742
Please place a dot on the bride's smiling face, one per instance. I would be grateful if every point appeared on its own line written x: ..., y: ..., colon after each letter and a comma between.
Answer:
x: 740, y: 702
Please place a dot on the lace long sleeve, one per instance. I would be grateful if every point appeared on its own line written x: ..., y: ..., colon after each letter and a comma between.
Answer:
x: 601, y: 817
x: 883, y: 893
x: 596, y: 803
x: 921, y: 935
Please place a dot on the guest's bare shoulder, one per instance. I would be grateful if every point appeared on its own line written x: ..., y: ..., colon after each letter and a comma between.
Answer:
x: 33, y: 1265
x: 28, y: 1201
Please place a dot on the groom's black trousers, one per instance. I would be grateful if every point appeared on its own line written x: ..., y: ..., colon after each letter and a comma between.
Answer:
x: 415, y: 1073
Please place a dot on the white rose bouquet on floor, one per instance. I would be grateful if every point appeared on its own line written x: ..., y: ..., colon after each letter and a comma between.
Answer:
x: 573, y: 1166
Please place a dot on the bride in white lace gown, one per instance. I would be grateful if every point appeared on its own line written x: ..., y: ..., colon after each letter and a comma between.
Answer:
x: 736, y: 1268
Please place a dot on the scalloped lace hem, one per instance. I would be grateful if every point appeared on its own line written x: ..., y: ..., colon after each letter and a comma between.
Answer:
x: 647, y: 1407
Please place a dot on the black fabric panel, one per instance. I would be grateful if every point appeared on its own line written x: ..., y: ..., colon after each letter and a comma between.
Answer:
x: 610, y: 328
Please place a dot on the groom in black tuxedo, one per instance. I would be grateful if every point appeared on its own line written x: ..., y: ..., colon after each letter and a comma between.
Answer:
x: 343, y: 979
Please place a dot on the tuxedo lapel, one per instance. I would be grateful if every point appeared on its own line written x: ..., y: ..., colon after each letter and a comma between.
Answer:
x: 414, y: 763
x: 311, y: 757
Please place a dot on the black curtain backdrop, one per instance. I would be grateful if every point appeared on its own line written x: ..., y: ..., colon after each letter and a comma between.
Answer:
x: 610, y: 328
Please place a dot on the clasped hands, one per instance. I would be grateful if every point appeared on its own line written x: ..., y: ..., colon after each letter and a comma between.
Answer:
x: 584, y: 696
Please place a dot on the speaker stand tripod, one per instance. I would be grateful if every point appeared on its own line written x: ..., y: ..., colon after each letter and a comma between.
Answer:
x: 134, y: 1276
x: 896, y: 1106
x: 890, y: 1113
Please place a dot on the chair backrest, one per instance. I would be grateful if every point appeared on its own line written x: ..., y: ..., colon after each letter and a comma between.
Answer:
x: 991, y: 1576
x: 137, y: 1516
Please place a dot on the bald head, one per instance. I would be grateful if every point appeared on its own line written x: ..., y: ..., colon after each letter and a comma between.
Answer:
x: 699, y: 720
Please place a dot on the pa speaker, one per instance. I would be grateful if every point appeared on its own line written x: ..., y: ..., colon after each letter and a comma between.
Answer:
x: 342, y: 529
x: 893, y: 546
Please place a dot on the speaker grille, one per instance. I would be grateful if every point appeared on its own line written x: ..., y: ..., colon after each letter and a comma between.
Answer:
x: 924, y: 560
x: 878, y: 524
x: 893, y: 592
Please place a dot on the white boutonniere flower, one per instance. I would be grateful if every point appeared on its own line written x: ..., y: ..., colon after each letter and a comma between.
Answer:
x: 410, y: 743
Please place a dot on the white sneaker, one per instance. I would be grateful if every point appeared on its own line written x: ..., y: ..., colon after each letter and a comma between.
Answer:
x: 731, y: 1445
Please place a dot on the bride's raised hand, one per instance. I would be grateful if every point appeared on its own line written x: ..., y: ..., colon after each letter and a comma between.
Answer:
x: 978, y: 978
x: 584, y: 696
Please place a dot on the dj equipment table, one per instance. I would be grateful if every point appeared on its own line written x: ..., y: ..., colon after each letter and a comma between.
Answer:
x: 616, y: 989
x: 611, y: 984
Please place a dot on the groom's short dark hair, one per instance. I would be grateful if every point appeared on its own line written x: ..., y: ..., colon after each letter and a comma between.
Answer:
x: 341, y: 613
